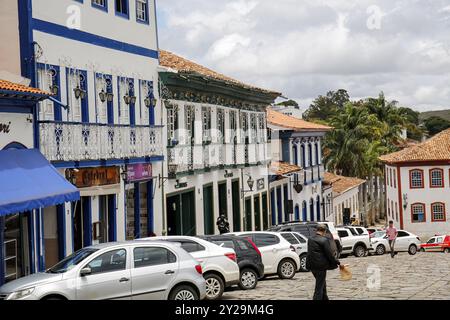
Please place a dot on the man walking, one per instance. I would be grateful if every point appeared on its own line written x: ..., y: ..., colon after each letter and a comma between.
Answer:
x: 319, y: 259
x: 391, y: 233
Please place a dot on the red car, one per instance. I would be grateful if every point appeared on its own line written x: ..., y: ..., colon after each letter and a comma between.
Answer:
x: 437, y: 244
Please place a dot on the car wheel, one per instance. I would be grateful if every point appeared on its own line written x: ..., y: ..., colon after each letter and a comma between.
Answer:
x: 303, y: 263
x: 412, y: 250
x: 359, y: 251
x: 248, y: 280
x: 380, y: 250
x: 183, y: 292
x: 286, y: 269
x: 214, y: 286
x: 447, y: 250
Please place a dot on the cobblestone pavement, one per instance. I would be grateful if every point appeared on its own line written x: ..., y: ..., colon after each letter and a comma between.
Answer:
x: 419, y: 277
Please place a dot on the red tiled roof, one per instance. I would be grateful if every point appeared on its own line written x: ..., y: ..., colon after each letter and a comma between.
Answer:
x: 436, y: 148
x: 15, y: 87
x: 280, y: 119
x: 173, y: 61
x: 282, y: 168
x: 341, y: 184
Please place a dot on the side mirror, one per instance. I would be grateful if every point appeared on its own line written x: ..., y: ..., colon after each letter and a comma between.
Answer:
x: 85, y: 271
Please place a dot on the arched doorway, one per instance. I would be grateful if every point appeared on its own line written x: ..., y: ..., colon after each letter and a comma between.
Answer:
x: 311, y: 209
x: 318, y: 208
x: 304, y: 213
x: 297, y: 212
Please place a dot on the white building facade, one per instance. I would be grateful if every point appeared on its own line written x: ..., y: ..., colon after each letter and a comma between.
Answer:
x: 102, y: 130
x: 217, y: 151
x: 418, y: 186
x: 345, y: 196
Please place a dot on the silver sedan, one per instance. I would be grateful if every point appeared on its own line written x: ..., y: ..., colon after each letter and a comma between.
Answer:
x: 132, y: 270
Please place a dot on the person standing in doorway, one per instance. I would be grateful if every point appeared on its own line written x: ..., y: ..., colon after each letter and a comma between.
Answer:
x: 319, y: 259
x: 391, y: 233
x: 222, y: 224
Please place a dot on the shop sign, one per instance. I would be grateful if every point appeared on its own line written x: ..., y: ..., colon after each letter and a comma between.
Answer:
x: 260, y: 184
x: 92, y: 177
x: 139, y: 172
x: 5, y: 127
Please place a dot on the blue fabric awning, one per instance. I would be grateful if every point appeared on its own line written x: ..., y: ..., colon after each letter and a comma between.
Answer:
x: 28, y: 181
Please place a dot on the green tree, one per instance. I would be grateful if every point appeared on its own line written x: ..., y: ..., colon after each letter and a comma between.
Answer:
x: 325, y: 107
x: 288, y: 103
x: 435, y: 125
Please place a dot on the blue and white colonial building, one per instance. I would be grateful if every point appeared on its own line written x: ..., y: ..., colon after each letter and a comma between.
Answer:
x: 296, y: 192
x: 101, y: 128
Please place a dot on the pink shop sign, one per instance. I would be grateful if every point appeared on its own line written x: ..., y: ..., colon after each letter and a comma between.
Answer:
x: 139, y: 172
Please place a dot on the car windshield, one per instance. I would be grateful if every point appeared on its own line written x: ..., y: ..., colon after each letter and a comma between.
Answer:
x: 71, y: 261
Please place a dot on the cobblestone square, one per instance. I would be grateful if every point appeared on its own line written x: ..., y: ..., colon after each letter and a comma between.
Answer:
x: 423, y: 276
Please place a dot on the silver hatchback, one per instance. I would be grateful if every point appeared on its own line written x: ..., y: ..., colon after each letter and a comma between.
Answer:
x: 135, y: 270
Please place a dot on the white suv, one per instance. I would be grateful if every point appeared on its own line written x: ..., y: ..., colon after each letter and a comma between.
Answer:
x: 278, y: 255
x: 219, y: 266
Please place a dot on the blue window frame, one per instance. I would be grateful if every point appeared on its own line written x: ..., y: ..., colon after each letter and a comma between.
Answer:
x: 303, y: 156
x: 107, y: 87
x: 131, y: 93
x: 142, y: 11
x: 304, y: 212
x: 100, y: 4
x: 146, y: 91
x: 84, y: 101
x: 54, y: 73
x: 310, y: 161
x: 273, y: 206
x: 295, y: 151
x: 317, y: 153
x: 122, y: 8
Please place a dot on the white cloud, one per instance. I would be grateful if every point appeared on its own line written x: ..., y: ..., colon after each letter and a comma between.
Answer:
x: 305, y: 48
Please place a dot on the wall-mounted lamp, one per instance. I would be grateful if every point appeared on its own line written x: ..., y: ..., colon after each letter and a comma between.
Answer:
x: 405, y: 201
x: 109, y: 97
x: 79, y: 93
x: 250, y: 183
x: 54, y: 89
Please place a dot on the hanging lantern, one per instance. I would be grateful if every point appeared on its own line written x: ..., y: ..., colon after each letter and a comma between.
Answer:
x: 127, y: 99
x: 77, y: 92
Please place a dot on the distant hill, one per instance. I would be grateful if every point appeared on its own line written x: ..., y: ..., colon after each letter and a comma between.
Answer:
x: 439, y: 113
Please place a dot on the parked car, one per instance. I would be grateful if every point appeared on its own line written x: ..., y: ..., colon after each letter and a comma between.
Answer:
x: 132, y: 270
x: 219, y: 265
x: 437, y: 244
x: 358, y: 245
x: 278, y: 255
x: 356, y: 230
x: 405, y: 242
x: 308, y: 229
x: 248, y: 256
x: 300, y: 243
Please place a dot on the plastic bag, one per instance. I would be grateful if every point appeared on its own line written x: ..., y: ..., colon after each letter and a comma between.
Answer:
x: 346, y: 273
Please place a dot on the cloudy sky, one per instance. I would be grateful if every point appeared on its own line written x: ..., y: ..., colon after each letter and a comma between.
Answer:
x: 305, y: 48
